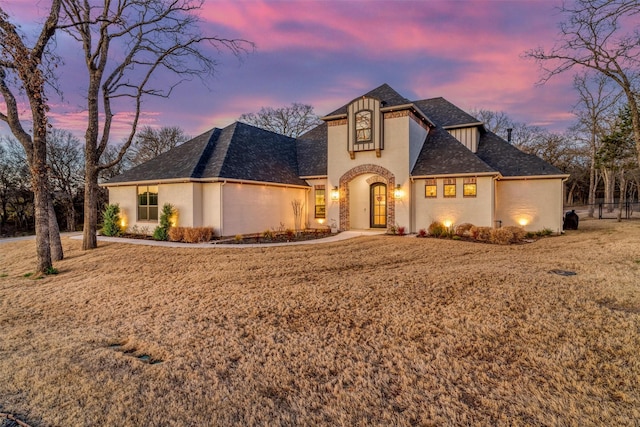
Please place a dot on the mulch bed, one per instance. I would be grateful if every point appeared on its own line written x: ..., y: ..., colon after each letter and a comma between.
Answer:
x: 278, y: 237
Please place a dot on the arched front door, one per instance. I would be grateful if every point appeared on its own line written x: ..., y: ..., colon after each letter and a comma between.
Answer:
x: 378, y: 202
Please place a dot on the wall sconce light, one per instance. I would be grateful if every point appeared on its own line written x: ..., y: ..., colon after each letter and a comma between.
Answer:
x: 523, y: 222
x: 398, y: 193
x: 448, y: 223
x: 335, y: 193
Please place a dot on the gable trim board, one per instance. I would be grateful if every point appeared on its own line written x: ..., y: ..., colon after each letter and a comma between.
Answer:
x: 241, y: 179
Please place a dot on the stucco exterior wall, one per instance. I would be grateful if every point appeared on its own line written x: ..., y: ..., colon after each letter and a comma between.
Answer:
x: 250, y: 208
x: 127, y: 198
x: 186, y: 198
x: 395, y: 157
x: 211, y: 216
x: 475, y: 210
x: 532, y: 203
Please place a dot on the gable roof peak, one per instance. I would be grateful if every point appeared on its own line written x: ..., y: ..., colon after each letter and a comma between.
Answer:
x: 383, y: 93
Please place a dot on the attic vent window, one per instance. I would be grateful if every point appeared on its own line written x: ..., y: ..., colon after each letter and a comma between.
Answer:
x: 363, y: 126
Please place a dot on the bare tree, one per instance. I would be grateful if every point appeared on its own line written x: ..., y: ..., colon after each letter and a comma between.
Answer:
x: 128, y: 44
x: 601, y: 36
x: 150, y: 142
x: 494, y: 121
x: 596, y: 101
x: 16, y: 197
x: 66, y: 166
x: 23, y: 69
x: 616, y: 155
x: 293, y: 120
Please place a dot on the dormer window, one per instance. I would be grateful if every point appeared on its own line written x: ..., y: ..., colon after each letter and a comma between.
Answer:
x: 363, y: 126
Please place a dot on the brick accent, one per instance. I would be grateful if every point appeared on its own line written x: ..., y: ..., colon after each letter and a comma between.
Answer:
x: 394, y: 114
x: 405, y: 113
x: 382, y: 175
x: 338, y: 122
x: 375, y: 179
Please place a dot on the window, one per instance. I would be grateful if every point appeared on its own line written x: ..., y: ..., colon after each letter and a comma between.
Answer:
x: 148, y: 203
x: 469, y: 187
x: 363, y: 126
x: 449, y: 187
x: 430, y: 189
x: 320, y: 202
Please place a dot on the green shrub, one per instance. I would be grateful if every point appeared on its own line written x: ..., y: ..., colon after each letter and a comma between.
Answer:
x: 268, y: 234
x: 238, y: 238
x: 111, y: 218
x: 162, y: 231
x: 437, y: 229
x: 545, y: 232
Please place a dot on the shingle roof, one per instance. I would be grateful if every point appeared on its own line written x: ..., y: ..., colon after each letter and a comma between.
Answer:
x: 443, y: 113
x: 239, y: 151
x: 312, y: 152
x: 509, y: 160
x: 384, y: 93
x: 442, y: 154
x: 244, y: 152
x: 180, y: 162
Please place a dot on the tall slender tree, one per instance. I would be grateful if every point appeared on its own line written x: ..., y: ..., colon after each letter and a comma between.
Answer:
x: 24, y: 69
x: 596, y: 101
x: 127, y: 44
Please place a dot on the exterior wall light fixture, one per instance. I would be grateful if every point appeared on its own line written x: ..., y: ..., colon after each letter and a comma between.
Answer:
x: 335, y: 193
x: 398, y: 193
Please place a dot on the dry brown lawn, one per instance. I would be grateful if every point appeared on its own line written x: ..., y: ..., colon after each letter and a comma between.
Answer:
x: 377, y: 330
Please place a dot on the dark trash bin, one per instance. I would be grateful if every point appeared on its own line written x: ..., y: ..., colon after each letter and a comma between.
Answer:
x: 571, y: 220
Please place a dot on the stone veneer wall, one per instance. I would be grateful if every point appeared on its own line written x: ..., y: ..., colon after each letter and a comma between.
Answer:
x: 382, y: 175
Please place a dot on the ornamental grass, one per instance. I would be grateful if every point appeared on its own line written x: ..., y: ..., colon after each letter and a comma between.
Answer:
x: 368, y: 331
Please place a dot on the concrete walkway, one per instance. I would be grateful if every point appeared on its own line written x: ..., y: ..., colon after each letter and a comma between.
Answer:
x: 333, y: 238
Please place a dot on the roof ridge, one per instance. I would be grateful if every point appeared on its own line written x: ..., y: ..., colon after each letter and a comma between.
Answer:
x: 206, y: 154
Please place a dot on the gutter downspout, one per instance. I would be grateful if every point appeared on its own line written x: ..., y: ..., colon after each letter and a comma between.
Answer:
x: 495, y: 200
x: 562, y: 195
x: 412, y: 205
x: 221, y: 208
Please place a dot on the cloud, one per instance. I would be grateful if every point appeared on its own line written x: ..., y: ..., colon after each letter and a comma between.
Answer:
x: 325, y: 53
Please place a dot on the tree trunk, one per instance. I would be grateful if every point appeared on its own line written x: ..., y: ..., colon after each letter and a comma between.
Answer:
x: 592, y: 179
x: 71, y: 215
x: 40, y: 186
x: 609, y: 188
x: 89, y: 238
x: 623, y: 194
x: 57, y: 253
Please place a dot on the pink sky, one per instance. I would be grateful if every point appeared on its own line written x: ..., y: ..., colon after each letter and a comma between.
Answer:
x: 325, y: 53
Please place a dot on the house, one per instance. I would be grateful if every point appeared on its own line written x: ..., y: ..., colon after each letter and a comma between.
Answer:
x: 379, y: 161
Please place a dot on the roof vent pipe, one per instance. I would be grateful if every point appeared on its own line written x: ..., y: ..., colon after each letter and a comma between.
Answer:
x: 509, y: 135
